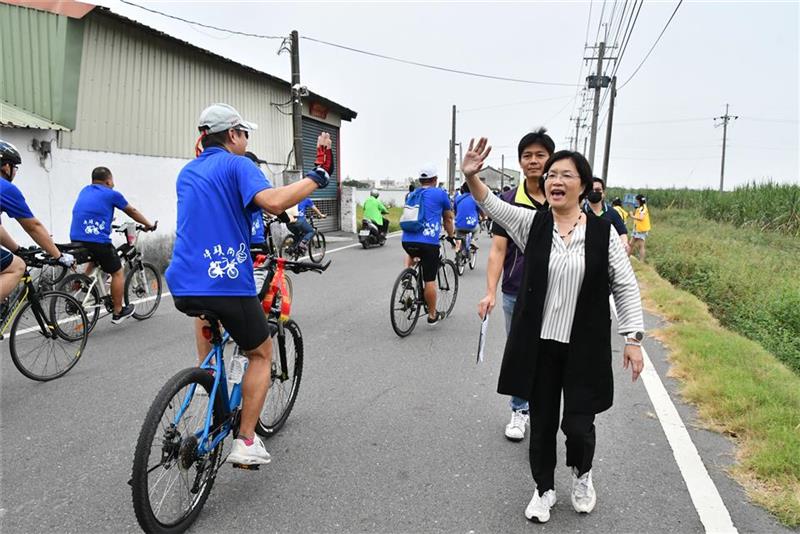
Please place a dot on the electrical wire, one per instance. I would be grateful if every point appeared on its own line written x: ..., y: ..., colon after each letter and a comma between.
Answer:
x: 433, y: 67
x: 514, y: 104
x: 195, y: 23
x: 654, y: 44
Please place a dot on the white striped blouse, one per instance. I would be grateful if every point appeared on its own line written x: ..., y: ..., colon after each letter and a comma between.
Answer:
x: 566, y: 270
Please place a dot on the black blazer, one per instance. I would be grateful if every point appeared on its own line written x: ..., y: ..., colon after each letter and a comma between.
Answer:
x: 588, y: 379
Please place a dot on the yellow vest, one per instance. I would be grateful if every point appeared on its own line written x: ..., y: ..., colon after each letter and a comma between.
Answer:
x: 644, y: 224
x: 622, y: 213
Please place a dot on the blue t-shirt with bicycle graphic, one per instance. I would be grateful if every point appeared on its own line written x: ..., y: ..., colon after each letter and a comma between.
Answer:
x: 466, y: 212
x: 211, y: 256
x: 304, y: 205
x: 257, y: 228
x: 435, y: 201
x: 93, y: 212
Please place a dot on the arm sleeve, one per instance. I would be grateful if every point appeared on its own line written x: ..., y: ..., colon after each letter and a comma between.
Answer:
x: 119, y: 201
x: 517, y: 221
x: 624, y: 287
x: 616, y: 220
x: 250, y: 179
x: 14, y: 204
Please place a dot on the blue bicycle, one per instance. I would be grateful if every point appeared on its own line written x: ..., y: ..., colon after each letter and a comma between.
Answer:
x: 180, y: 445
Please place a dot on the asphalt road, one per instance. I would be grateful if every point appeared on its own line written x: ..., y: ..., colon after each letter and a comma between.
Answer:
x: 388, y: 434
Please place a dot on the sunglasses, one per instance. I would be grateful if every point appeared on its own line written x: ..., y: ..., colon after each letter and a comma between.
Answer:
x: 245, y: 132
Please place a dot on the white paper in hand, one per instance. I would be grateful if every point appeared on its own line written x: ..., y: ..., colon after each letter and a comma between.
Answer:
x: 482, y: 338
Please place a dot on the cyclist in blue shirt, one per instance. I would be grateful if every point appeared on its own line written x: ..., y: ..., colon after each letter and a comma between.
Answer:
x: 211, y: 267
x: 91, y: 228
x: 467, y: 217
x: 300, y: 227
x: 13, y: 204
x: 425, y: 244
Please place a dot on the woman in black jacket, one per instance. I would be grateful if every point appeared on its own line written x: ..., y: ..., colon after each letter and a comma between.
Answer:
x: 560, y: 338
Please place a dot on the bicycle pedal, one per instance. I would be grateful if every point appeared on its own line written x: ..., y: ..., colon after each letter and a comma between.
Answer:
x: 246, y: 467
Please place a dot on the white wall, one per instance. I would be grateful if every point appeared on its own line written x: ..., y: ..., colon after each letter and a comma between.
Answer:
x: 148, y: 183
x: 385, y: 196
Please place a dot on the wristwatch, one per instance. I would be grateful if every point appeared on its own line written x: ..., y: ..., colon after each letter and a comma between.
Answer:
x: 638, y: 336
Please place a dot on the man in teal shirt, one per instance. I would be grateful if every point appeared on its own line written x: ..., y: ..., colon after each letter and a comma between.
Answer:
x: 374, y: 210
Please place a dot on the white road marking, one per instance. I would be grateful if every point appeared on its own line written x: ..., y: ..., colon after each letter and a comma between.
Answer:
x: 395, y: 234
x: 704, y: 494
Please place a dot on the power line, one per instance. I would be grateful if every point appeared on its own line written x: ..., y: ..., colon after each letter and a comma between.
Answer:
x: 758, y: 119
x: 515, y: 103
x: 195, y: 23
x: 434, y: 67
x: 664, y: 121
x: 351, y: 49
x: 654, y: 44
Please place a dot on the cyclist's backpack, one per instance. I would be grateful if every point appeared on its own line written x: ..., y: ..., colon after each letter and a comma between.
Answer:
x: 413, y: 217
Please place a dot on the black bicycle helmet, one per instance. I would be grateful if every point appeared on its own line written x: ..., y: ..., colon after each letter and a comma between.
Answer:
x: 9, y: 154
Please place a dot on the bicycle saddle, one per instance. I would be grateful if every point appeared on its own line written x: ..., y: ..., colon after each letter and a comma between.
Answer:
x: 203, y: 314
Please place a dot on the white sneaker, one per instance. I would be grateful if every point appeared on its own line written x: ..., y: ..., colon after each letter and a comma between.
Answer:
x: 515, y: 430
x: 583, y: 495
x: 538, y: 509
x: 254, y: 454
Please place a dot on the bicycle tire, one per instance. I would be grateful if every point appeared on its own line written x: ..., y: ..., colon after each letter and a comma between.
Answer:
x: 282, y: 392
x: 461, y: 263
x: 447, y: 286
x: 473, y: 259
x: 79, y: 322
x: 140, y: 292
x: 153, y: 433
x: 77, y: 285
x: 316, y: 247
x: 50, y: 276
x: 407, y: 304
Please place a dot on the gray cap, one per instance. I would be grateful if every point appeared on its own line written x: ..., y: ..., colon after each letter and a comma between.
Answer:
x: 220, y: 117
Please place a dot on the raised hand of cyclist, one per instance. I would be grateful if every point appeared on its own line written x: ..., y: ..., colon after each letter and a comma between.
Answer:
x: 66, y: 259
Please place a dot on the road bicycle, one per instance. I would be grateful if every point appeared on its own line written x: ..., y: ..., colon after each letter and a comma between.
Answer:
x: 408, y: 296
x: 268, y: 248
x: 180, y: 448
x: 316, y: 246
x: 143, y: 285
x: 47, y: 330
x: 467, y: 254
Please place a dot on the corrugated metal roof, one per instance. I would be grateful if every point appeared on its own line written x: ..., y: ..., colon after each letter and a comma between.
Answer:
x: 19, y: 118
x: 346, y: 114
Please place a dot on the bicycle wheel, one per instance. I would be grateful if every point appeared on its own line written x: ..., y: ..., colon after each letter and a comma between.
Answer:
x: 289, y: 287
x: 473, y: 259
x: 143, y: 289
x: 287, y: 369
x: 50, y: 276
x: 447, y: 290
x: 461, y: 262
x: 316, y: 247
x: 77, y: 285
x: 404, y: 307
x: 169, y: 481
x: 45, y: 356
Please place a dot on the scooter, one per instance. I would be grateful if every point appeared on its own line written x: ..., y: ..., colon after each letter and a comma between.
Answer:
x: 370, y: 235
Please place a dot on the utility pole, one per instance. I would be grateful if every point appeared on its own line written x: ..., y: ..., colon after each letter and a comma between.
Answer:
x: 502, y: 171
x: 297, y: 104
x: 612, y: 96
x: 596, y: 109
x: 577, y: 128
x: 725, y: 119
x: 451, y: 171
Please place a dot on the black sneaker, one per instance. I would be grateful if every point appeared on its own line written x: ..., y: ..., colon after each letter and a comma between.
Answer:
x: 123, y: 314
x: 437, y: 320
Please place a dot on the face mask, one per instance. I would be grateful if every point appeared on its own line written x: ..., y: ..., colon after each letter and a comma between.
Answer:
x: 595, y: 197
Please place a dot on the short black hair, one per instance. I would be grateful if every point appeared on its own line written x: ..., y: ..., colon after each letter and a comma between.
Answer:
x: 537, y: 137
x: 411, y: 187
x: 584, y: 169
x: 465, y: 187
x: 616, y: 202
x: 599, y: 181
x: 215, y: 139
x: 101, y: 174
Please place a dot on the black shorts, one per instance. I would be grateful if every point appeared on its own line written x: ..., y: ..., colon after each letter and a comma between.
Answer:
x: 428, y: 256
x: 242, y: 317
x: 5, y: 259
x: 103, y: 254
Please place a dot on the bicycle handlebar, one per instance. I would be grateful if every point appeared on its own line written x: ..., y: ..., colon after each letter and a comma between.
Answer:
x: 139, y: 228
x: 296, y: 267
x: 35, y: 257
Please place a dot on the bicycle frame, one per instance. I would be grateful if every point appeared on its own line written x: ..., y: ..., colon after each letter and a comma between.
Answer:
x: 22, y: 297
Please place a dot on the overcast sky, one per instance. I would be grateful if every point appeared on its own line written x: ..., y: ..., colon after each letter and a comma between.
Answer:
x: 713, y: 53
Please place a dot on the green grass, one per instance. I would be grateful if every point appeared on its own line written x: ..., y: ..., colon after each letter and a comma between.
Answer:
x: 740, y: 389
x: 749, y: 279
x: 394, y: 217
x: 766, y: 206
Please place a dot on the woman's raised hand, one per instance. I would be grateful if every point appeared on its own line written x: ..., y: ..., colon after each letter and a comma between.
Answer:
x: 475, y: 156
